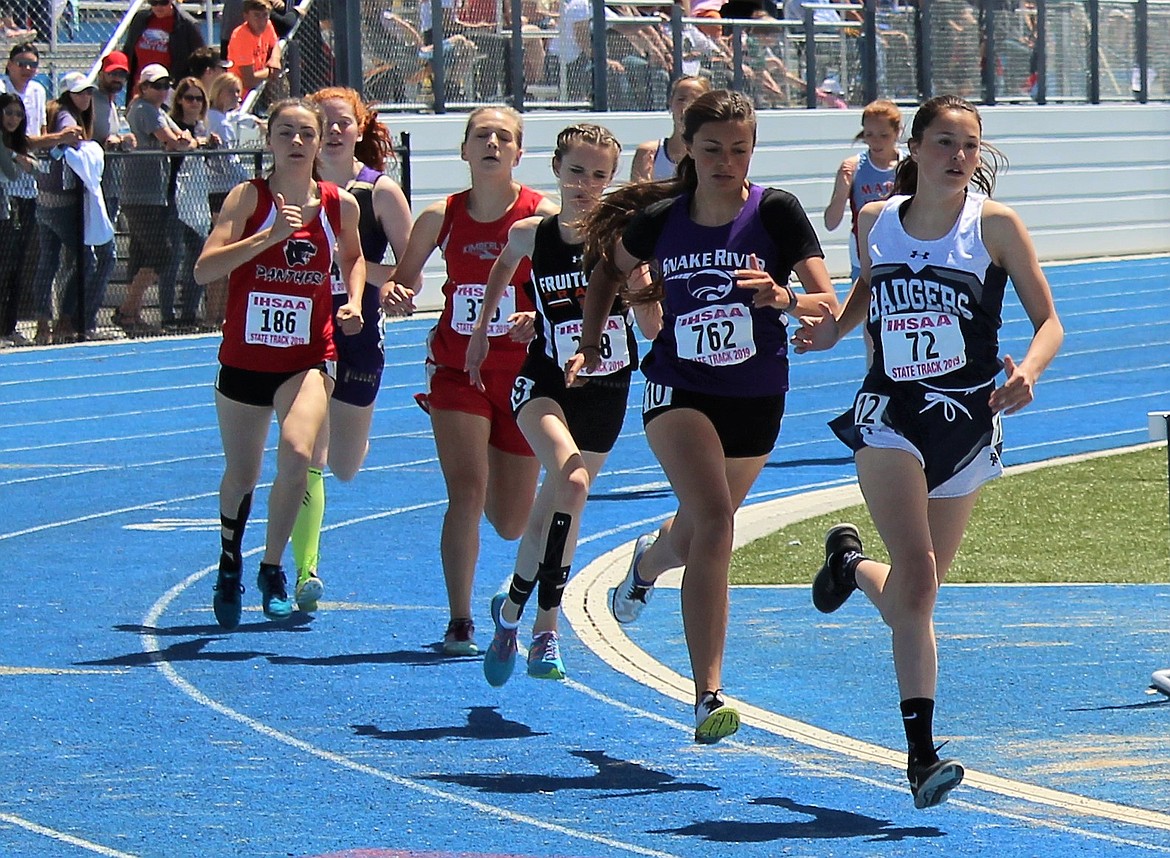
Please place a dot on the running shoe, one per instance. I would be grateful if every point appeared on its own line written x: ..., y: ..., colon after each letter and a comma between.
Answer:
x: 544, y: 657
x: 834, y: 583
x: 309, y: 590
x: 930, y: 784
x: 459, y: 639
x: 274, y: 592
x: 630, y: 597
x: 714, y: 719
x: 500, y: 659
x: 226, y: 601
x: 1160, y: 681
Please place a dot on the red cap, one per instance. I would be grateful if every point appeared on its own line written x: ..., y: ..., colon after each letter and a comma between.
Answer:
x: 115, y: 61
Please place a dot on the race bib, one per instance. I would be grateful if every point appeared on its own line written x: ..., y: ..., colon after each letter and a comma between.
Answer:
x: 922, y: 345
x: 275, y: 320
x: 614, y: 344
x: 719, y: 335
x: 466, y: 302
x: 656, y: 396
x: 336, y: 282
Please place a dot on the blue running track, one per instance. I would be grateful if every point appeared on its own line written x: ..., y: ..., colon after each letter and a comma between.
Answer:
x: 134, y: 726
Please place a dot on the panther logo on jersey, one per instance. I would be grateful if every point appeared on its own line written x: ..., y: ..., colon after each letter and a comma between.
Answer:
x: 298, y: 251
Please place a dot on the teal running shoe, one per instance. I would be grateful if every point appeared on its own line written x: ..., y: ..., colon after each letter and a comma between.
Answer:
x: 226, y: 601
x: 500, y: 659
x: 544, y: 657
x: 274, y: 592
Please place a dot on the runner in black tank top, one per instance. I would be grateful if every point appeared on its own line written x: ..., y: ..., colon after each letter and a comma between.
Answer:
x: 586, y: 420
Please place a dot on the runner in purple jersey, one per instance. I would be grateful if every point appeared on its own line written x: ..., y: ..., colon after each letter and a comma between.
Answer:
x: 354, y: 151
x: 717, y: 372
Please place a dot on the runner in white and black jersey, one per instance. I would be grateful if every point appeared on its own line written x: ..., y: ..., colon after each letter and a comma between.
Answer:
x: 925, y: 426
x: 571, y: 430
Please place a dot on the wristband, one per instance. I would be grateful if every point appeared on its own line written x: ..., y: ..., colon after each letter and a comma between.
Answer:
x: 791, y: 298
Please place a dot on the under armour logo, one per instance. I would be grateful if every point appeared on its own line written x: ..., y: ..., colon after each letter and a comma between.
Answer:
x: 925, y: 254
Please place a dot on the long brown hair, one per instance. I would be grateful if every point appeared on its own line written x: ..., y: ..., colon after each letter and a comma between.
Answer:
x: 292, y: 104
x: 991, y: 159
x: 182, y: 88
x: 65, y: 102
x: 376, y: 144
x: 603, y: 226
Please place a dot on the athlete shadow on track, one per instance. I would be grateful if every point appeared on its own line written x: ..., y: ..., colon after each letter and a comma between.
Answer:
x: 413, y: 658
x: 621, y: 778
x: 825, y: 824
x: 298, y: 622
x: 801, y: 463
x: 483, y: 722
x: 185, y: 651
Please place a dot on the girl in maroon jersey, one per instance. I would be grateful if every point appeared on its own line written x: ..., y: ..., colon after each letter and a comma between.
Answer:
x: 487, y: 465
x: 274, y: 241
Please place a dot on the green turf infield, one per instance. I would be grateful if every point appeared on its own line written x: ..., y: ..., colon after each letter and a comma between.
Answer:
x: 1097, y: 520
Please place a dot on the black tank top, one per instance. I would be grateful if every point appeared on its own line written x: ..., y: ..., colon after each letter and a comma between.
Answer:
x: 558, y: 292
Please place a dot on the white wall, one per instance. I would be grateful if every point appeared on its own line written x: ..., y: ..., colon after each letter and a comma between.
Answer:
x: 1088, y: 180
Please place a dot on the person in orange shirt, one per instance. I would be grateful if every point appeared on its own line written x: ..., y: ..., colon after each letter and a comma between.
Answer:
x: 254, y: 50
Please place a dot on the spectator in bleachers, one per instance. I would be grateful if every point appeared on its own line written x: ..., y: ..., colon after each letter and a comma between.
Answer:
x: 164, y: 34
x: 26, y: 20
x: 59, y: 214
x: 108, y: 132
x: 23, y: 61
x: 190, y: 220
x: 284, y: 17
x: 206, y: 64
x: 254, y: 48
x: 15, y: 222
x: 458, y: 50
x: 148, y: 188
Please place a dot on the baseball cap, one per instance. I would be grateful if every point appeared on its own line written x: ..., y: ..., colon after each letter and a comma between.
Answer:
x: 153, y: 72
x: 76, y: 81
x: 115, y: 61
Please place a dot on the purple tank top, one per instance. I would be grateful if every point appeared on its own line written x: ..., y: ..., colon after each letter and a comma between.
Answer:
x: 713, y: 340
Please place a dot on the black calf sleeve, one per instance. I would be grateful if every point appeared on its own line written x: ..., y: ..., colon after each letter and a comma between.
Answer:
x: 231, y: 535
x: 551, y: 581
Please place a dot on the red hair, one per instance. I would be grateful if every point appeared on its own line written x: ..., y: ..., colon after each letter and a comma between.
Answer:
x: 376, y: 144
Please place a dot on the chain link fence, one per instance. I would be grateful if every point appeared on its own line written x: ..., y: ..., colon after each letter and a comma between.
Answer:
x: 142, y: 283
x: 808, y: 54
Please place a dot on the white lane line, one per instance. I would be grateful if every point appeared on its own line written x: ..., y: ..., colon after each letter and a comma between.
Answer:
x: 150, y: 646
x: 63, y: 837
x: 585, y: 606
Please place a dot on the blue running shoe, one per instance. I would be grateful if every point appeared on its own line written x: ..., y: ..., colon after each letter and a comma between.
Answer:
x: 544, y: 657
x: 500, y: 659
x: 714, y: 719
x: 274, y: 592
x: 226, y: 601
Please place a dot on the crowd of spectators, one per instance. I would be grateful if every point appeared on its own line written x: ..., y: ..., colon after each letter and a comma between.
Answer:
x: 123, y: 145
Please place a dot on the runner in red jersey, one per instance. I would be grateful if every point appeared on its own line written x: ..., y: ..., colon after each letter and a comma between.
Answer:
x: 487, y: 465
x: 274, y: 241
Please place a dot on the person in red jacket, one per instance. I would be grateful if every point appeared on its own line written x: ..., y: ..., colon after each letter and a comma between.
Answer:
x: 274, y: 241
x: 487, y: 465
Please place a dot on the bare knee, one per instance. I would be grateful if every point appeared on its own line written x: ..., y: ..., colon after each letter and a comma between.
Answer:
x: 913, y: 586
x: 506, y: 519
